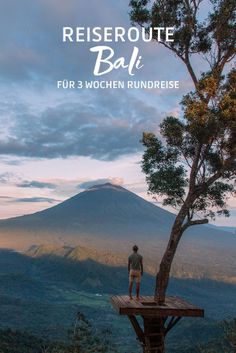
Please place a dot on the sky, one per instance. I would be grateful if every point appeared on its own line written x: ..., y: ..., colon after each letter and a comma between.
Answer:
x: 55, y: 143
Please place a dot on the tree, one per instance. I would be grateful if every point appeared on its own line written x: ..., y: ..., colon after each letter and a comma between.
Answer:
x: 86, y: 339
x: 193, y: 165
x: 226, y: 343
x: 230, y: 334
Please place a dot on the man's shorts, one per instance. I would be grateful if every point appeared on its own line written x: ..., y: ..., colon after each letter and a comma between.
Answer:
x: 135, y: 275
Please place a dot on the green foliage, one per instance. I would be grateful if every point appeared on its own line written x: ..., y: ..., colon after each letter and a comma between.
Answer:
x: 230, y: 334
x: 214, y: 36
x: 83, y: 339
x: 193, y: 166
x: 86, y: 339
x: 217, y: 338
x: 197, y: 157
x: 48, y: 308
x: 203, y: 143
x: 227, y: 344
x: 165, y: 176
x: 19, y: 342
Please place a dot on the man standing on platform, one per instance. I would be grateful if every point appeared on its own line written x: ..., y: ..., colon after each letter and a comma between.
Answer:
x: 135, y: 268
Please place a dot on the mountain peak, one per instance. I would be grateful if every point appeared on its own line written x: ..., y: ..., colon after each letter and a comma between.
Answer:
x: 106, y: 186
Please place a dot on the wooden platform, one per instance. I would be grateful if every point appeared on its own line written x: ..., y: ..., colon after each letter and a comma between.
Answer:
x: 174, y: 306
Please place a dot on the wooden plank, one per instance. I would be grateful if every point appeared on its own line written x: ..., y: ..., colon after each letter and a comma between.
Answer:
x: 136, y: 304
x: 131, y: 302
x: 172, y: 323
x: 139, y: 332
x: 122, y: 301
x: 117, y: 303
x: 173, y: 304
x: 174, y: 307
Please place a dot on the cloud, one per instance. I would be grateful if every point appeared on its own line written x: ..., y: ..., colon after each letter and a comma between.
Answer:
x: 32, y: 49
x: 34, y: 37
x: 88, y: 184
x: 4, y: 178
x: 13, y: 162
x: 103, y: 125
x: 36, y: 184
x: 8, y: 178
x: 33, y: 200
x: 100, y: 126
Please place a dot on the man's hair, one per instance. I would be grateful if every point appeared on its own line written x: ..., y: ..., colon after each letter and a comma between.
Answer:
x: 135, y: 248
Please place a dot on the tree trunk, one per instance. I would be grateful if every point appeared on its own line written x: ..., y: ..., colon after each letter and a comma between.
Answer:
x: 154, y: 331
x: 163, y: 275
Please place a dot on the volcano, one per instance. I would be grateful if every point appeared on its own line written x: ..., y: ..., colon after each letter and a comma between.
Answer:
x: 102, y: 213
x: 110, y: 218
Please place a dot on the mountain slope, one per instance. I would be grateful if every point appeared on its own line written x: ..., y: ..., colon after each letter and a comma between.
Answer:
x: 105, y: 212
x: 100, y: 208
x: 111, y: 218
x: 108, y: 210
x: 45, y: 293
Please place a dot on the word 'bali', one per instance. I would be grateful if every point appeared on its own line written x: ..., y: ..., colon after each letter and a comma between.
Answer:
x: 106, y: 58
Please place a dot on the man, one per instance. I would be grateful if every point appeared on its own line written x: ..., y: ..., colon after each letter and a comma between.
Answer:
x: 135, y: 268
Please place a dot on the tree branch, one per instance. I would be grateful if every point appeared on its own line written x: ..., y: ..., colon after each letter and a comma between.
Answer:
x: 194, y: 168
x: 202, y: 187
x: 194, y: 223
x: 206, y: 151
x: 172, y: 49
